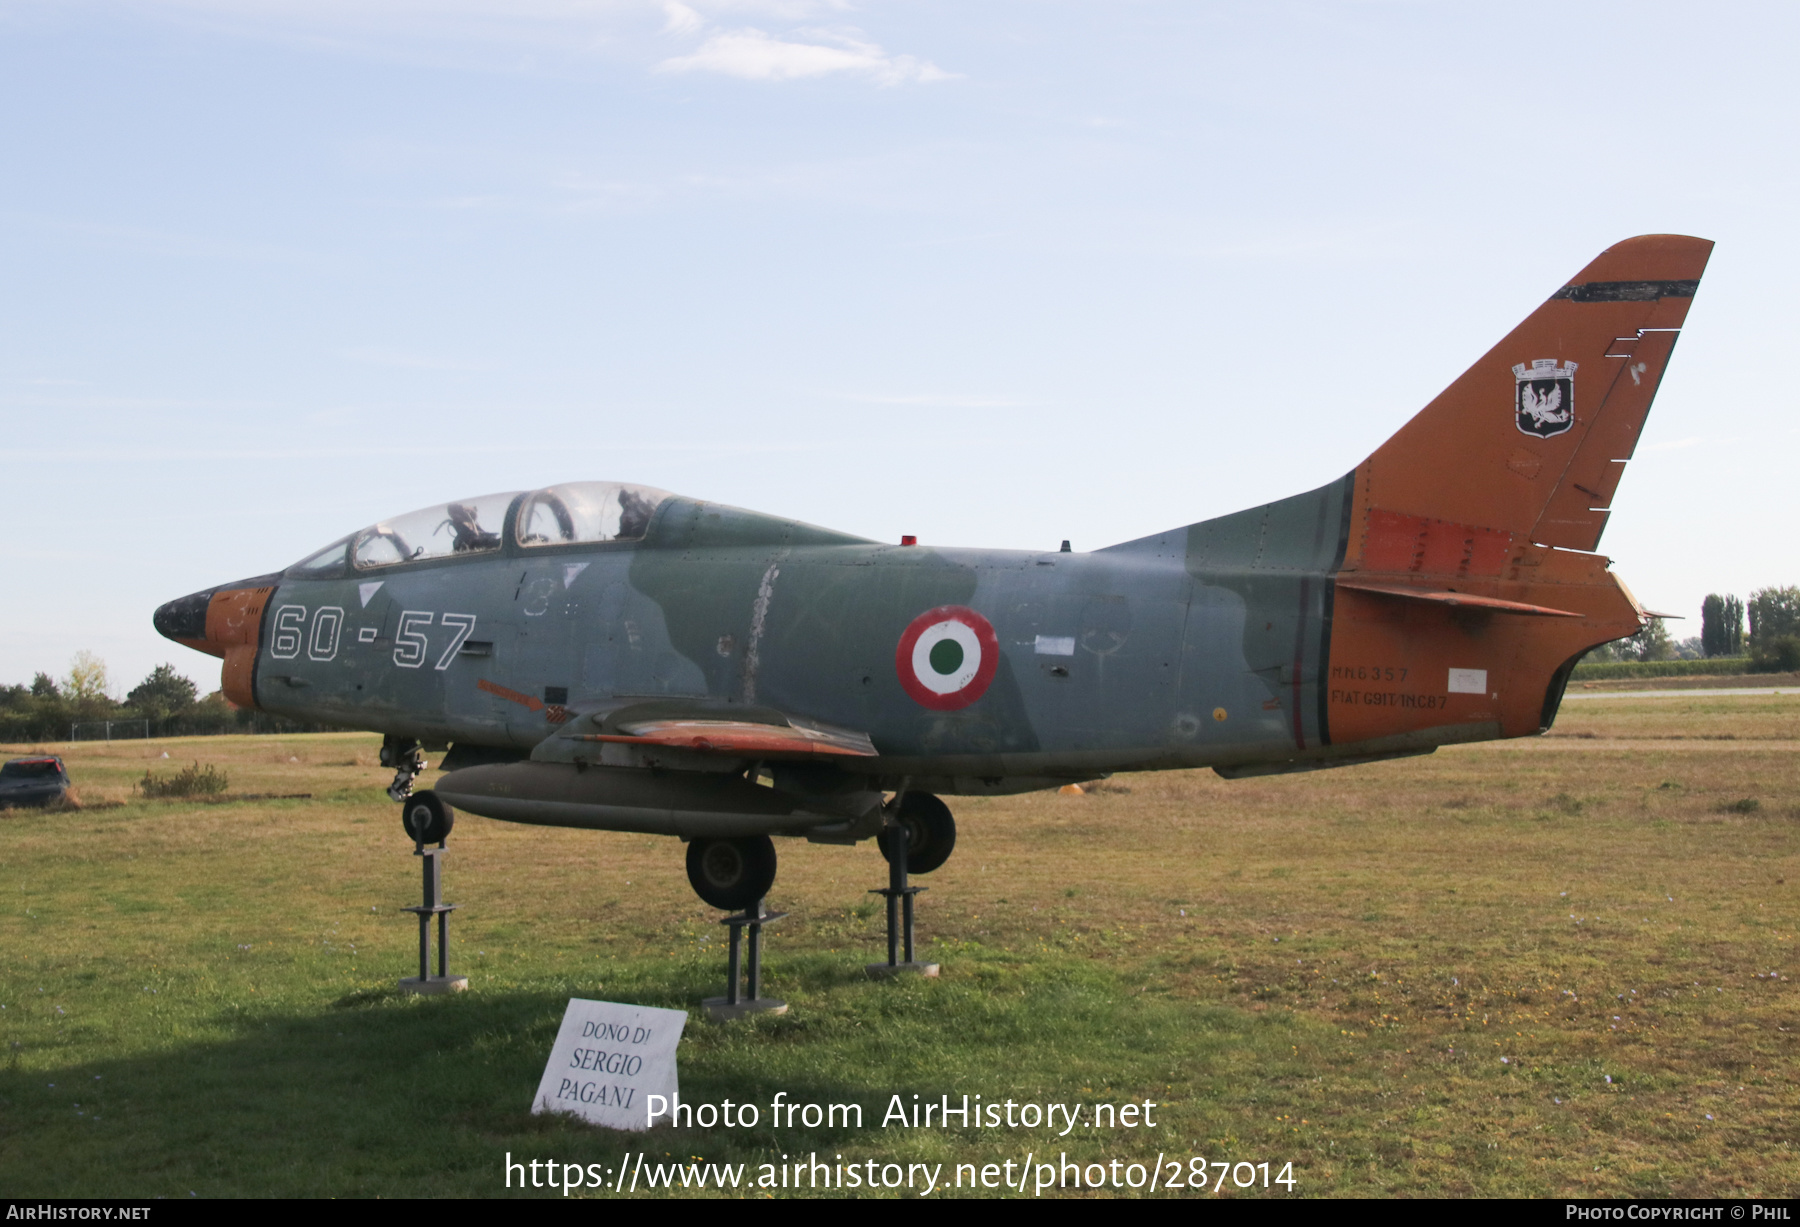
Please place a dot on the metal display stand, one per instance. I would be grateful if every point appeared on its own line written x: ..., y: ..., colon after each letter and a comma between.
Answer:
x: 732, y: 1005
x: 433, y: 905
x: 899, y: 905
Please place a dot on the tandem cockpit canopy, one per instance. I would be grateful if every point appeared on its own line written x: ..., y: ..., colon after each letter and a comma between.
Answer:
x: 584, y: 511
x: 575, y: 513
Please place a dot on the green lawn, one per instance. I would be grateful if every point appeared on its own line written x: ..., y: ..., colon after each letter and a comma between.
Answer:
x: 1323, y: 969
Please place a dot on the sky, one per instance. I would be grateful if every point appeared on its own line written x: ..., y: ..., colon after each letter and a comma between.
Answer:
x: 994, y: 274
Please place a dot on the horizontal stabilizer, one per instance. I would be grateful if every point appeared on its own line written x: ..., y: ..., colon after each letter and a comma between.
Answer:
x: 1468, y: 599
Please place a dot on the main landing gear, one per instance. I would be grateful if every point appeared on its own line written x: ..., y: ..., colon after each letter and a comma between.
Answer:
x: 731, y: 873
x: 930, y: 832
x: 734, y: 873
x: 917, y: 835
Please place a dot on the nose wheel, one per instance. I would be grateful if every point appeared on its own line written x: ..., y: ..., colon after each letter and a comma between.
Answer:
x: 426, y: 818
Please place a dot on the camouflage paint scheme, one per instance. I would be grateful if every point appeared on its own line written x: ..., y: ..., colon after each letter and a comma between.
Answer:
x: 1440, y: 592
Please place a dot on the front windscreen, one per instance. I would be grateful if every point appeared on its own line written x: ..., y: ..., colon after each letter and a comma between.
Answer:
x: 584, y: 511
x: 327, y: 562
x: 469, y: 526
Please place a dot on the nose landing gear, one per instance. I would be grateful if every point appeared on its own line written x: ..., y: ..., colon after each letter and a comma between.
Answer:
x: 426, y: 818
x: 407, y: 759
x: 428, y: 821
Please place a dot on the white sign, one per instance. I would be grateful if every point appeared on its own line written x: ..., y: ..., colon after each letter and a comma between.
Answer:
x: 607, y: 1059
x: 1468, y: 681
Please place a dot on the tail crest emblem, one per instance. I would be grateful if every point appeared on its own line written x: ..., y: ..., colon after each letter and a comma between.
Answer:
x: 1545, y: 397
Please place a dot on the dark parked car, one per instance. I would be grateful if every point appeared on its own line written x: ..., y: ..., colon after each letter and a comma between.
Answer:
x: 33, y: 781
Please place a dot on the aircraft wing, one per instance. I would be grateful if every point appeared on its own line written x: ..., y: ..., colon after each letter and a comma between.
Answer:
x: 740, y: 738
x: 592, y: 772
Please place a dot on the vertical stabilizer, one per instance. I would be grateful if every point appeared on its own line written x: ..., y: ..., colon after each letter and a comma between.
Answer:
x: 1467, y: 595
x: 1531, y: 441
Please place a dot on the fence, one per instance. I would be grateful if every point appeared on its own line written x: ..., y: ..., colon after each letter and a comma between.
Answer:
x: 109, y: 730
x: 31, y: 728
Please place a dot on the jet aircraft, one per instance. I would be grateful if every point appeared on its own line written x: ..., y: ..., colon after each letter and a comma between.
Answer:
x: 611, y: 656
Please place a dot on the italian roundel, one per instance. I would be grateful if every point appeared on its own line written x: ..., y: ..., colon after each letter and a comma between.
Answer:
x: 947, y: 657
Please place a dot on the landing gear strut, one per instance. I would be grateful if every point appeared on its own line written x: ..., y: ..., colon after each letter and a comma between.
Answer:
x: 735, y: 1004
x: 407, y: 759
x: 428, y: 820
x: 735, y: 874
x: 920, y: 817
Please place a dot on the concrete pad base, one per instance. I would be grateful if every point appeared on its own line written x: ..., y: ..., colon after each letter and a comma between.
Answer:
x: 432, y: 985
x: 720, y: 1011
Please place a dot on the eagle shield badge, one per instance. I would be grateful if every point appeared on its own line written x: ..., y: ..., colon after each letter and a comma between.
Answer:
x: 1545, y: 401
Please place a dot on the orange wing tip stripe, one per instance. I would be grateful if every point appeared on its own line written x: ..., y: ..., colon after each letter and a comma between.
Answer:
x: 739, y: 737
x: 1442, y: 597
x: 728, y: 745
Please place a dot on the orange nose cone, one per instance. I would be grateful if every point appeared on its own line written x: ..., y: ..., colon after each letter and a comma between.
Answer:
x: 225, y: 621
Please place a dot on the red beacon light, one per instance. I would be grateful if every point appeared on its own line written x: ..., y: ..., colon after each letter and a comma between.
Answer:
x: 909, y: 539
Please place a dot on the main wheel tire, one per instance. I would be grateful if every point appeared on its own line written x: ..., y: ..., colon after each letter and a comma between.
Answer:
x: 426, y: 818
x: 930, y: 833
x: 731, y: 873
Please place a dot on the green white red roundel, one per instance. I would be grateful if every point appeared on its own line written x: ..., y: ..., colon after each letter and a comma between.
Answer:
x: 947, y: 657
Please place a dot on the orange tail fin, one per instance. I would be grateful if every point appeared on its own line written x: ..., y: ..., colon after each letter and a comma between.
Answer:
x: 1532, y: 439
x: 1455, y: 618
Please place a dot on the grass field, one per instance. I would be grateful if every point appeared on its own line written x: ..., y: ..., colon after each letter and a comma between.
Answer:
x: 1552, y: 967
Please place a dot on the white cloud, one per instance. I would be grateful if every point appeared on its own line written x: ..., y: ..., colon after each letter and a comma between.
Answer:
x: 754, y: 55
x: 531, y: 35
x: 512, y: 20
x: 775, y: 10
x: 681, y: 19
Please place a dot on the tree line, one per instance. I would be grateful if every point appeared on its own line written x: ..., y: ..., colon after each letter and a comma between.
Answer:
x: 170, y: 704
x: 1770, y: 641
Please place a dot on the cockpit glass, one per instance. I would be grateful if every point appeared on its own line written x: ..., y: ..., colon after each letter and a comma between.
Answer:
x: 471, y: 526
x: 327, y: 561
x: 583, y: 511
